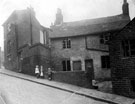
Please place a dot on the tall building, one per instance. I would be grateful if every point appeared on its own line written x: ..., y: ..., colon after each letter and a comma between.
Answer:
x: 26, y: 42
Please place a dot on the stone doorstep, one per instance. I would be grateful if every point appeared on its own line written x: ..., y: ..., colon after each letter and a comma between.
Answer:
x: 71, y: 88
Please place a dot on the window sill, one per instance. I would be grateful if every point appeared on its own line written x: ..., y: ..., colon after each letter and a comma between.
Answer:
x: 105, y: 68
x: 128, y: 57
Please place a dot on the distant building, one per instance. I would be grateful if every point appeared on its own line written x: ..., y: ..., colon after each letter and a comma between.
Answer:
x: 1, y: 58
x: 80, y: 44
x: 122, y: 53
x: 26, y: 42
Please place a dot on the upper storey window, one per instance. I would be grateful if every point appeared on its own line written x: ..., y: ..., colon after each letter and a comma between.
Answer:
x: 43, y: 37
x: 128, y: 47
x: 9, y: 27
x: 104, y: 38
x: 66, y: 43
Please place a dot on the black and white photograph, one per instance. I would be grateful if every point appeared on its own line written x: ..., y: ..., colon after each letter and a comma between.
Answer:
x: 67, y: 51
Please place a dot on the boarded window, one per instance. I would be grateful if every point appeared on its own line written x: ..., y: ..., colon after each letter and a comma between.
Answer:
x: 128, y: 47
x: 66, y: 65
x: 76, y: 65
x: 105, y: 61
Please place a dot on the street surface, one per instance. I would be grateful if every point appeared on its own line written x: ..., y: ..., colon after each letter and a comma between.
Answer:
x: 19, y: 91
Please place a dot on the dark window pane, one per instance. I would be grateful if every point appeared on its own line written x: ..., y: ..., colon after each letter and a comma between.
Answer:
x: 126, y: 49
x: 102, y: 41
x: 133, y: 85
x: 105, y: 61
x: 64, y: 65
x: 68, y: 44
x: 64, y: 43
x: 133, y: 52
x: 68, y: 65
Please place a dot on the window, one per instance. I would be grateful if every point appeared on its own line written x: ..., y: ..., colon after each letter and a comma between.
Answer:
x: 128, y: 47
x: 66, y: 43
x: 66, y: 65
x: 45, y: 37
x: 132, y: 85
x: 9, y: 27
x: 105, y: 61
x: 41, y: 37
x: 104, y: 38
x: 77, y: 65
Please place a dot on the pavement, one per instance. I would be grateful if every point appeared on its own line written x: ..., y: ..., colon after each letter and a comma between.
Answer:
x: 89, y: 93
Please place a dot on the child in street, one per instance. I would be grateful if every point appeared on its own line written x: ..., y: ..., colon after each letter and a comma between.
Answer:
x: 41, y: 72
x: 49, y: 74
x: 37, y: 71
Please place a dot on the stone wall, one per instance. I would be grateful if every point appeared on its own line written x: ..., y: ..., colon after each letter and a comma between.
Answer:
x: 77, y: 50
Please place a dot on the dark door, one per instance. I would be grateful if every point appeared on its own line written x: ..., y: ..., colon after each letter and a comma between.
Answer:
x: 20, y: 62
x: 89, y: 68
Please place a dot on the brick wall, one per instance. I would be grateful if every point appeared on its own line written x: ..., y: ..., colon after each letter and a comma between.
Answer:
x: 122, y: 68
x: 78, y: 78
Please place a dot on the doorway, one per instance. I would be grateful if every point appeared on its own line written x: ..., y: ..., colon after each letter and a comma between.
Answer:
x: 89, y: 68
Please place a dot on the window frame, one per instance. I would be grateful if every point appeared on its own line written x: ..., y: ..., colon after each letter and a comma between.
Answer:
x: 126, y: 48
x: 66, y: 43
x: 106, y: 59
x: 66, y: 62
x: 104, y: 38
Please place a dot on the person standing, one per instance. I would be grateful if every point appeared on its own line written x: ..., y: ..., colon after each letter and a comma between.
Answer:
x: 41, y: 72
x: 49, y: 74
x: 37, y: 71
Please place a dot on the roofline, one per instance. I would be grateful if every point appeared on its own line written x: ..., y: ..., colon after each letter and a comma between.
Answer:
x: 14, y: 12
x: 96, y: 33
x: 122, y: 28
x: 98, y: 18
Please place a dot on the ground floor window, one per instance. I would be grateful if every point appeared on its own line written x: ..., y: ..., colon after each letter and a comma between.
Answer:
x: 66, y: 65
x: 105, y: 61
x: 132, y: 85
x: 77, y: 65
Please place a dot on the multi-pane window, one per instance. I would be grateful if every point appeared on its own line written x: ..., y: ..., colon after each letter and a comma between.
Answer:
x: 66, y: 65
x: 104, y: 38
x: 66, y: 43
x: 105, y: 61
x: 128, y: 47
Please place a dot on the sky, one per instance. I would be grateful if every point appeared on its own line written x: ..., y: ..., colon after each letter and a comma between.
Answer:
x: 73, y: 10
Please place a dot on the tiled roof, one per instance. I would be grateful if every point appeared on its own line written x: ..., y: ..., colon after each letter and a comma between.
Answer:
x: 89, y: 26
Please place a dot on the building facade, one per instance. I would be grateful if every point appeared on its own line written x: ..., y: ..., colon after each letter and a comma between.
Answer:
x: 122, y: 52
x: 26, y: 42
x: 76, y: 43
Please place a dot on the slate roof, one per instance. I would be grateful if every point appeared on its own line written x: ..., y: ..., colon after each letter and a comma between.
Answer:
x: 89, y: 26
